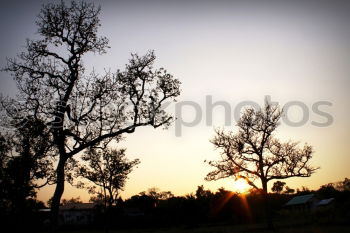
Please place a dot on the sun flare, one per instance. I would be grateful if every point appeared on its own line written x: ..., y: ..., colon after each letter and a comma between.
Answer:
x: 241, y: 186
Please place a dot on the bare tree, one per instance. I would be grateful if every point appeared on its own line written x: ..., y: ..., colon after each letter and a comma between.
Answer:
x: 109, y: 170
x: 83, y: 110
x: 253, y: 153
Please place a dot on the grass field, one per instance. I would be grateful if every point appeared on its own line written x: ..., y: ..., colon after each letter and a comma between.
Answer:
x: 284, y: 228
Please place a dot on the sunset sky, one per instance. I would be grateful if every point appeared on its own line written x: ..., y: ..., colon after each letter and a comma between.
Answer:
x: 232, y: 51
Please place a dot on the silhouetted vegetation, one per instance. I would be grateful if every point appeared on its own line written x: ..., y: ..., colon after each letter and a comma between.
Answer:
x: 26, y: 165
x: 66, y: 120
x: 109, y: 170
x: 254, y: 153
x: 81, y: 110
x: 278, y: 186
x: 154, y: 209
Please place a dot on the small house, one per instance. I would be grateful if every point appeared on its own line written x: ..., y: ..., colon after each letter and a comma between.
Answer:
x: 302, y: 203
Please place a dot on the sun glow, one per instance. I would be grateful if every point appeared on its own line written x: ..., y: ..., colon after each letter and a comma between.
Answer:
x: 241, y: 186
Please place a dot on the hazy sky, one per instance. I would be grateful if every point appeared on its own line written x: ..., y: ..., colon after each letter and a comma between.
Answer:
x: 233, y: 51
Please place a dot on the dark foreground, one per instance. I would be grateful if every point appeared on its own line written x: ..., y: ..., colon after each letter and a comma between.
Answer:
x: 280, y: 228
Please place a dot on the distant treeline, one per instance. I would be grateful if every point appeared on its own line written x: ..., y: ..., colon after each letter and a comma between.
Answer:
x: 154, y: 208
x: 204, y: 206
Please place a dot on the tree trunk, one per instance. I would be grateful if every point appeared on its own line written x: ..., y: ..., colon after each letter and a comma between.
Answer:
x: 109, y: 212
x: 267, y: 206
x: 55, y: 205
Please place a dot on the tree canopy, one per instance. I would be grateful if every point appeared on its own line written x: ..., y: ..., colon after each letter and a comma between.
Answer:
x: 82, y: 110
x: 278, y: 186
x: 109, y: 170
x: 253, y: 152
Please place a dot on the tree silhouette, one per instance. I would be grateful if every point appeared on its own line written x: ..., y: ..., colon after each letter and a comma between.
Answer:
x: 278, y: 186
x: 343, y: 185
x: 26, y: 164
x: 254, y: 153
x: 108, y: 169
x: 156, y: 194
x: 202, y: 193
x: 5, y: 178
x: 73, y: 200
x: 83, y: 110
x: 288, y: 190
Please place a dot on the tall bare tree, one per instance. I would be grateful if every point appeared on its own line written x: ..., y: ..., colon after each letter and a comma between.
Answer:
x: 253, y: 152
x: 83, y: 109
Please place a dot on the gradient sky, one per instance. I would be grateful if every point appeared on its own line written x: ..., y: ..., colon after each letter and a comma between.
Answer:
x: 233, y: 51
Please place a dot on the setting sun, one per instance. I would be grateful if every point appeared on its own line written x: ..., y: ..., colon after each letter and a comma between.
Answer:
x: 241, y: 186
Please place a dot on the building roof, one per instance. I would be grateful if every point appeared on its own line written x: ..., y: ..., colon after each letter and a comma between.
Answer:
x: 298, y: 200
x: 78, y: 206
x: 44, y: 210
x: 325, y: 201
